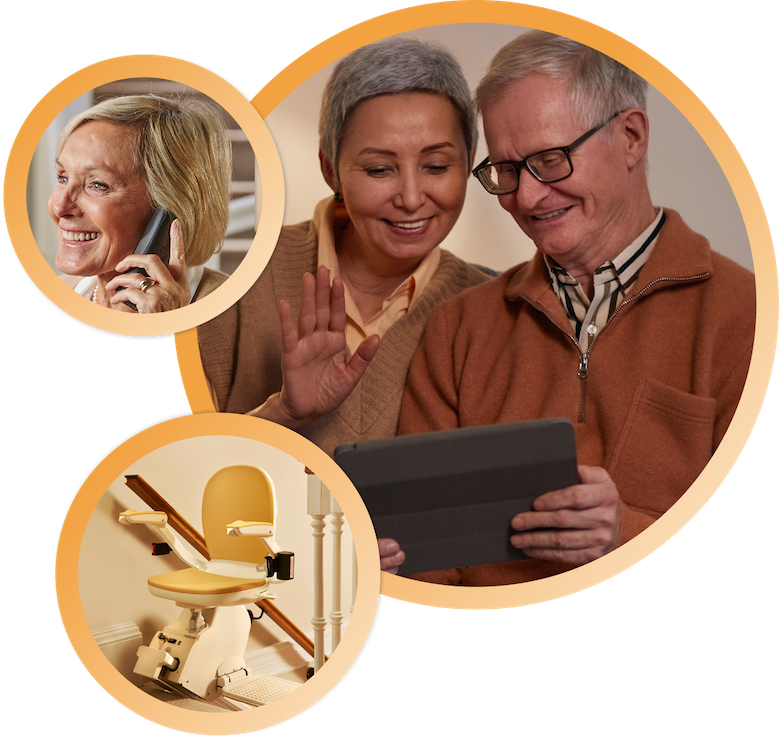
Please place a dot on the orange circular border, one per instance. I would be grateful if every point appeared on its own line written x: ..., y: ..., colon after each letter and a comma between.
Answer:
x: 271, y: 177
x: 478, y: 11
x: 222, y: 424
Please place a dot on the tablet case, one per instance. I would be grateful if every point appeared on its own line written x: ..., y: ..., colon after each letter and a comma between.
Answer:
x: 448, y: 497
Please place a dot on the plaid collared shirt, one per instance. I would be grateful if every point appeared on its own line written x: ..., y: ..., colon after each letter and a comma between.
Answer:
x: 611, y: 282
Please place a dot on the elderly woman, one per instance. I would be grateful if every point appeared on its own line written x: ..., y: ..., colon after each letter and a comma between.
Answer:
x: 116, y: 163
x: 397, y: 138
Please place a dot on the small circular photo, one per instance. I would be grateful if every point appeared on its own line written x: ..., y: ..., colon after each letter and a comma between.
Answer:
x: 144, y: 195
x: 208, y: 578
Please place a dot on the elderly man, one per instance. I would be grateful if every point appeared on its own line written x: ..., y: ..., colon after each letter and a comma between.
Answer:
x: 625, y: 321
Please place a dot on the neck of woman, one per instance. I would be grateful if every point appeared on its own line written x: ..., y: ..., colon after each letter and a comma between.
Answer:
x: 370, y: 275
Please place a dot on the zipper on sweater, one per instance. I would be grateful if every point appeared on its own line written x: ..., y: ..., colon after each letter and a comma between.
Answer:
x: 584, y: 357
x: 583, y: 361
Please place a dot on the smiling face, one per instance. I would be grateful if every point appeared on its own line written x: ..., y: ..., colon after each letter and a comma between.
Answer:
x: 589, y: 217
x: 100, y: 203
x: 402, y: 171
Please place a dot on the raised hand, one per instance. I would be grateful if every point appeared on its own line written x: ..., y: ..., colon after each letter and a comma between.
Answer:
x: 318, y: 374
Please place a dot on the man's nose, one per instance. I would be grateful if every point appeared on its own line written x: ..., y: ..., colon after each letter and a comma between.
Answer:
x: 530, y: 190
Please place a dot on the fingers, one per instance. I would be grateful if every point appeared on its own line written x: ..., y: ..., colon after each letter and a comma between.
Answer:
x: 364, y: 354
x: 307, y: 315
x: 390, y: 556
x: 177, y: 265
x: 322, y: 307
x: 576, y: 524
x: 289, y: 333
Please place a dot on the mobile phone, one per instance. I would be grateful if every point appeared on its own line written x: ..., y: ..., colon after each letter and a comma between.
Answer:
x: 154, y: 240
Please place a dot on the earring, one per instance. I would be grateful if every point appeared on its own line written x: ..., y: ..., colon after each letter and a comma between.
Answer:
x: 337, y: 197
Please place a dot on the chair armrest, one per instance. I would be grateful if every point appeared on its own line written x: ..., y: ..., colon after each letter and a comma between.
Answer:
x: 158, y: 523
x: 261, y: 529
x: 151, y: 518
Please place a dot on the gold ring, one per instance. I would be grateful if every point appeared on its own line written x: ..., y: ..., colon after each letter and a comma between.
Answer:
x: 146, y: 283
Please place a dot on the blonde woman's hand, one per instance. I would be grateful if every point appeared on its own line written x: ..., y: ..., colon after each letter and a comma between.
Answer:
x: 171, y: 289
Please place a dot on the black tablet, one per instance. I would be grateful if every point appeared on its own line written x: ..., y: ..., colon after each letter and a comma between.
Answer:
x: 448, y: 497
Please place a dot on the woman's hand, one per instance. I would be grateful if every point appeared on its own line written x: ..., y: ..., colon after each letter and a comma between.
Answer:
x: 390, y: 556
x: 171, y: 290
x: 316, y: 370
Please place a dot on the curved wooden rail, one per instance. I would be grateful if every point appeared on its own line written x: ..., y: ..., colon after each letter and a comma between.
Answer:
x: 191, y: 535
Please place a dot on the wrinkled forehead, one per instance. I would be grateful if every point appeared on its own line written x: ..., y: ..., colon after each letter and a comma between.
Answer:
x: 109, y: 143
x: 533, y: 113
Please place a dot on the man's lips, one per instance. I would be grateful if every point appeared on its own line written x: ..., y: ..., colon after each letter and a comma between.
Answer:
x: 551, y: 214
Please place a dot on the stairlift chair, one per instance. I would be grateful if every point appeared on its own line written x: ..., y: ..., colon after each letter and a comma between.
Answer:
x: 200, y: 654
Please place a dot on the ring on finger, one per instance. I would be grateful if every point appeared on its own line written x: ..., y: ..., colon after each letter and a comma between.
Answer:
x: 146, y: 284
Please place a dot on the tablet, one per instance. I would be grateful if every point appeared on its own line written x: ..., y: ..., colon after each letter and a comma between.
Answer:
x: 448, y: 497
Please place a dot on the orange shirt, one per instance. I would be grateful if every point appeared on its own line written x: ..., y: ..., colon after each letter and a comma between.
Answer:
x: 394, y: 306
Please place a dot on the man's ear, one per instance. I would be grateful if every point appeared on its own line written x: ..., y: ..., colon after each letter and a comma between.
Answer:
x: 635, y: 127
x: 328, y: 172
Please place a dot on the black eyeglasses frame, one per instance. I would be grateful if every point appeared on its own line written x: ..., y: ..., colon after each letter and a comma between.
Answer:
x: 522, y: 164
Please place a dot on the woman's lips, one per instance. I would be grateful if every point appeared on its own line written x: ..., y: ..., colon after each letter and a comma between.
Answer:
x: 410, y: 227
x: 78, y: 236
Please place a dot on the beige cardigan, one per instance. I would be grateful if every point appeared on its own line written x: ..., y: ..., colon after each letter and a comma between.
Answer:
x: 241, y: 349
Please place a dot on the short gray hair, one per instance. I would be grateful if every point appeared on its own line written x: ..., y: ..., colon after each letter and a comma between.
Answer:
x: 392, y: 66
x: 599, y: 86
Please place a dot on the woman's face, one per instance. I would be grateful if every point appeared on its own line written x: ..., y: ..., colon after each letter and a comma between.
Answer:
x: 100, y: 203
x: 403, y: 169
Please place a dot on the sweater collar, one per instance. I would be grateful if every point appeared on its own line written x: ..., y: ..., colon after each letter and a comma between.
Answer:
x: 679, y: 254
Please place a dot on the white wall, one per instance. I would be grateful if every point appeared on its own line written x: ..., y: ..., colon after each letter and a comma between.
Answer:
x: 683, y: 173
x: 115, y: 561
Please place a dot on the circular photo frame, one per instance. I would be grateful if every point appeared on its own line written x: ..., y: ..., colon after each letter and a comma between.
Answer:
x: 114, y: 622
x: 757, y: 238
x: 257, y: 190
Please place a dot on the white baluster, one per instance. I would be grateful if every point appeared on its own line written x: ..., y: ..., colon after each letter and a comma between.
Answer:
x: 318, y: 508
x: 336, y: 615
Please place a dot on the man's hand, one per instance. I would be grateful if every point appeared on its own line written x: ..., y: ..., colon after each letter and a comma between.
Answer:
x: 576, y: 524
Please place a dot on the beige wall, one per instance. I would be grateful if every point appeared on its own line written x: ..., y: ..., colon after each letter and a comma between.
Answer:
x: 115, y: 560
x: 683, y: 174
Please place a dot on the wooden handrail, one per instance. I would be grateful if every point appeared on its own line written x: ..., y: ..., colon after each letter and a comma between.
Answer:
x: 191, y: 535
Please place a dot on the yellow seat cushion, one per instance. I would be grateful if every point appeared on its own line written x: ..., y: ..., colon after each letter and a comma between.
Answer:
x: 202, y: 583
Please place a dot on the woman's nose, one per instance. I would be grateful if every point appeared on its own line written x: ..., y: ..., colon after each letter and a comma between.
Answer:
x: 411, y: 193
x: 63, y: 202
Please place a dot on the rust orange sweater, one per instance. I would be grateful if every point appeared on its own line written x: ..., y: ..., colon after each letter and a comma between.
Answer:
x: 664, y: 375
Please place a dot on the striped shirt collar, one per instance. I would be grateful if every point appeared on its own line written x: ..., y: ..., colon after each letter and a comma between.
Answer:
x: 612, y: 282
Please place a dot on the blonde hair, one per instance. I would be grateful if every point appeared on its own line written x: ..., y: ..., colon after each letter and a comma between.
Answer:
x: 184, y: 156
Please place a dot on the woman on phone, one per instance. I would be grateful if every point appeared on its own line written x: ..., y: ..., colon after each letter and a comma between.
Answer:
x: 116, y: 164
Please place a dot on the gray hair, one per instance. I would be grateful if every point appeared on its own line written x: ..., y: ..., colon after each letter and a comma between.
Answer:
x: 599, y: 86
x: 393, y: 65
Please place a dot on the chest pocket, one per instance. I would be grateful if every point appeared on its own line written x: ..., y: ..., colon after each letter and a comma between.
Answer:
x: 665, y: 444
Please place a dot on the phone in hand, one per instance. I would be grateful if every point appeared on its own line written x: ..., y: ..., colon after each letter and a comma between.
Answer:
x: 154, y: 240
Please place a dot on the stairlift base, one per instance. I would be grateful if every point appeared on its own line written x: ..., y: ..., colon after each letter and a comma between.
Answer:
x: 208, y: 662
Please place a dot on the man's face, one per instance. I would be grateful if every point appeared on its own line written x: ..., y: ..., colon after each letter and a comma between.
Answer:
x: 577, y: 219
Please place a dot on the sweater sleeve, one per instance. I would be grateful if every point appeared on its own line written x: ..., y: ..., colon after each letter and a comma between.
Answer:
x: 430, y: 399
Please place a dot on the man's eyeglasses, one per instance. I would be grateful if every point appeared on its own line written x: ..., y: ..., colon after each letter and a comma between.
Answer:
x: 550, y: 165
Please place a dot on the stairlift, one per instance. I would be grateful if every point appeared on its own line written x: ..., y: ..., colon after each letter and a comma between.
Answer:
x: 200, y: 654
